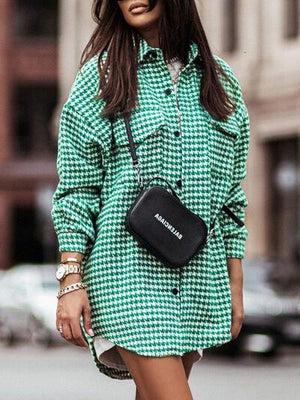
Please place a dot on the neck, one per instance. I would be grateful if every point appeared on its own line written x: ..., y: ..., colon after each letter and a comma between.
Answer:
x: 151, y: 37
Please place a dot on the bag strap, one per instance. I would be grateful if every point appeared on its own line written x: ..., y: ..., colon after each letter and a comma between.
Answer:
x: 135, y: 164
x: 135, y: 161
x: 233, y: 216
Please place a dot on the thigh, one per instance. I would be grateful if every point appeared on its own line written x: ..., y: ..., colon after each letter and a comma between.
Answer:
x: 188, y: 360
x: 159, y: 378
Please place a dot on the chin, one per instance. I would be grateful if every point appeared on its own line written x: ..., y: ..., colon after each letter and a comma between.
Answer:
x: 142, y: 23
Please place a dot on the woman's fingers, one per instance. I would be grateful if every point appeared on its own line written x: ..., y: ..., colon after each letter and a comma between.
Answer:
x: 77, y: 333
x: 69, y: 310
x: 236, y: 326
x: 72, y: 333
x: 87, y: 319
x: 66, y: 332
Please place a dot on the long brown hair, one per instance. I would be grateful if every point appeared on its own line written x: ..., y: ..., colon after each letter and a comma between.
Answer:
x: 180, y: 23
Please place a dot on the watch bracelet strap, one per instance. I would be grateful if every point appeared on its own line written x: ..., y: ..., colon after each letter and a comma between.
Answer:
x: 71, y: 272
x: 71, y: 288
x: 71, y: 268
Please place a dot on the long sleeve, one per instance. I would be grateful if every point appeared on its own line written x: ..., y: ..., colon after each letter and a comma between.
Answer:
x: 77, y: 196
x: 234, y: 236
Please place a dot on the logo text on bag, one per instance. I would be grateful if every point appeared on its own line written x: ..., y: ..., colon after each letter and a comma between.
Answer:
x: 168, y: 226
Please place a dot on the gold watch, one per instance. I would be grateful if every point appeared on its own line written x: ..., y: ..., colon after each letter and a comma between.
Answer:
x: 65, y: 269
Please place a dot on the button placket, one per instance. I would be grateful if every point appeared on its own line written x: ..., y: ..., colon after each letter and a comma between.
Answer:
x: 178, y: 132
x: 175, y: 288
x: 174, y: 165
x: 179, y: 183
x: 177, y: 129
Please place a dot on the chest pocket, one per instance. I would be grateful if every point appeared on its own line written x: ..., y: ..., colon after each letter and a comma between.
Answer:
x: 222, y: 138
x: 148, y: 127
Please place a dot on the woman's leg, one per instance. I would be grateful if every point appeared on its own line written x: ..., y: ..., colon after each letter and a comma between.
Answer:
x: 188, y: 360
x: 137, y: 395
x: 157, y: 378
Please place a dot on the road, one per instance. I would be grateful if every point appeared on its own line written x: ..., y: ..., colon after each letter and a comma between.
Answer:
x: 29, y: 372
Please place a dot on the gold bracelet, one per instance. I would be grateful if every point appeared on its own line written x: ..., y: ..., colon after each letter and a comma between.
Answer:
x: 71, y: 288
x: 71, y: 259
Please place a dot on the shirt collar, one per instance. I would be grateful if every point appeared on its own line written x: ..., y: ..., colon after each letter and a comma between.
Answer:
x: 146, y: 50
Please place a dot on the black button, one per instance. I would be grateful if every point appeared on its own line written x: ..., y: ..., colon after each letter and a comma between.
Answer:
x: 153, y: 53
x: 168, y: 91
x: 175, y: 290
x: 176, y: 133
x: 179, y: 183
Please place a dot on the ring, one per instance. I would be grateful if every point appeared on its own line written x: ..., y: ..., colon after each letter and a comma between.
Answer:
x: 60, y: 329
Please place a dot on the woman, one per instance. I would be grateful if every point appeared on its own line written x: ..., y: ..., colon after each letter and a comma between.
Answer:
x: 141, y: 320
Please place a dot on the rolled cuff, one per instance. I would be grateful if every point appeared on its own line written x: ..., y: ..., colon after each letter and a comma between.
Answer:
x: 235, y: 246
x: 73, y: 241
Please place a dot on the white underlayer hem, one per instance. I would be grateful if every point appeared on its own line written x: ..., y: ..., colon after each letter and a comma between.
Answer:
x: 108, y: 354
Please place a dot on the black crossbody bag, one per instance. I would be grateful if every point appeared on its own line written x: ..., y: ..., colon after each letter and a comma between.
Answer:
x: 162, y: 224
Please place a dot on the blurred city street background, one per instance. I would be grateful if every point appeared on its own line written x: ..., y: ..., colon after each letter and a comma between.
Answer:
x: 41, y: 42
x: 33, y: 373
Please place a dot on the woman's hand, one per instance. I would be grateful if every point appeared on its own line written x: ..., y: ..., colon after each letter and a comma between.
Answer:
x: 235, y: 271
x: 69, y: 309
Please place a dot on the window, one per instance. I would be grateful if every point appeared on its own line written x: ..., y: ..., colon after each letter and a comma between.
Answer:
x: 291, y: 18
x: 27, y: 246
x: 34, y: 107
x: 36, y: 18
x: 283, y: 200
x: 230, y: 26
x: 34, y: 240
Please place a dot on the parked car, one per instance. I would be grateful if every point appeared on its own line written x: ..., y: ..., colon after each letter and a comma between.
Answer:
x: 272, y: 317
x: 28, y: 304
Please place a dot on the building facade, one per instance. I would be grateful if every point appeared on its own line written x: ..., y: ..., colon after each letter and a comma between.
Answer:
x: 29, y: 94
x: 259, y: 39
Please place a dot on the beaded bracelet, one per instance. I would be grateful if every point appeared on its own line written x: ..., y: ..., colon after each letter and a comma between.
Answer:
x: 71, y: 288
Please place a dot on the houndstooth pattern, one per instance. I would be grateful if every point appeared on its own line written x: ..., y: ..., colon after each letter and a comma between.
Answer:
x: 130, y: 291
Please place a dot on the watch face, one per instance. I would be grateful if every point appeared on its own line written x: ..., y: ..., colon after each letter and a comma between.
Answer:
x: 60, y: 272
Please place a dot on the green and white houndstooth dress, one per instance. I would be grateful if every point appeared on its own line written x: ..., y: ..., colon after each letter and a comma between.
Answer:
x: 105, y: 349
x: 137, y: 302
